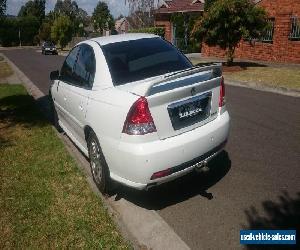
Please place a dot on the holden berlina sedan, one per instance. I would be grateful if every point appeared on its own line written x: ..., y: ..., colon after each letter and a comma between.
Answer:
x: 139, y: 110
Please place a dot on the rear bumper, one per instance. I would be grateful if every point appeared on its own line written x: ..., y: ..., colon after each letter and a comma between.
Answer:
x: 54, y: 52
x: 136, y: 163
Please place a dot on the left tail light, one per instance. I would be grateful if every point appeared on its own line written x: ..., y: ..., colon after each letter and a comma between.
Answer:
x: 222, y: 93
x: 139, y: 120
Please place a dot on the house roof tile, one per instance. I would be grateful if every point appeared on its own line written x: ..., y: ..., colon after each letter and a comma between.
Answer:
x: 172, y: 6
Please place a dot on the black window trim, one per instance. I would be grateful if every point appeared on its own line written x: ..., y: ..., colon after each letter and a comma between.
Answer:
x: 294, y: 34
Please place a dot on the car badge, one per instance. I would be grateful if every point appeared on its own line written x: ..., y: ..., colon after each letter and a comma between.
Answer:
x: 193, y: 91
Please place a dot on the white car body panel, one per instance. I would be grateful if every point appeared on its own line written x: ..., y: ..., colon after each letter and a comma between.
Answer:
x: 132, y: 159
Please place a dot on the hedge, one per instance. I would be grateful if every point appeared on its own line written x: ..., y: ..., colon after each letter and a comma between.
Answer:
x: 152, y: 30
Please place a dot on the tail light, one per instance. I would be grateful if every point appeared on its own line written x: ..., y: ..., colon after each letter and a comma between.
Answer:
x: 139, y: 120
x: 222, y: 93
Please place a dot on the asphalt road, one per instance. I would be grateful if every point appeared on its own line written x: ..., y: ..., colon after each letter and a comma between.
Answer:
x: 254, y: 184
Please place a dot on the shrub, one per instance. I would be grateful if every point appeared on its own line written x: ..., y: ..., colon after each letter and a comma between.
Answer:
x: 152, y: 30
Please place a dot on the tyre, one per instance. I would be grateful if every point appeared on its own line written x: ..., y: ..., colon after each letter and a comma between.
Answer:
x: 98, y: 165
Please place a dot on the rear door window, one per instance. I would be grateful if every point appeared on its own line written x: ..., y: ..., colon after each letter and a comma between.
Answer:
x: 67, y: 69
x: 85, y: 67
x: 80, y: 66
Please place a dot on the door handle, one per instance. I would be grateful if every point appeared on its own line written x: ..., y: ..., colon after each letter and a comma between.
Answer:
x: 80, y: 107
x: 65, y: 98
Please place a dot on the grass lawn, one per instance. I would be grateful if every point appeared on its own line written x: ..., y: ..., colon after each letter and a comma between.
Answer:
x: 268, y: 76
x: 5, y: 70
x: 264, y: 75
x: 46, y: 201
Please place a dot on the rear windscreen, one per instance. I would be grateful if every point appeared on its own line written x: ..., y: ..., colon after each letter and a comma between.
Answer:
x: 136, y: 60
x: 50, y: 44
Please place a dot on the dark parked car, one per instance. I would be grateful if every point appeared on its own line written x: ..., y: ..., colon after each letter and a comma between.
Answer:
x: 49, y: 48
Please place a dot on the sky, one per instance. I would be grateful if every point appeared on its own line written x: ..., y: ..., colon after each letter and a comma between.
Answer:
x: 116, y: 7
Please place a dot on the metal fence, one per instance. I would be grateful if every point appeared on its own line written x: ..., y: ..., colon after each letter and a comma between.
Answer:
x: 268, y: 36
x: 181, y: 44
x: 295, y: 29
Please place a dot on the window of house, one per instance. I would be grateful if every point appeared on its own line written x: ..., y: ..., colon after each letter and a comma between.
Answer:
x: 295, y: 29
x: 268, y: 35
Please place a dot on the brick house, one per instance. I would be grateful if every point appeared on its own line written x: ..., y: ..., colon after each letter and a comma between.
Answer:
x: 167, y: 8
x: 282, y: 41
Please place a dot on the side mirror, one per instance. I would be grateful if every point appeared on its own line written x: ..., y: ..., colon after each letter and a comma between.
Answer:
x: 54, y: 75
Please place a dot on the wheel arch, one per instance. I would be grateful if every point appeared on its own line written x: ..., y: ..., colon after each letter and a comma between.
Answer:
x: 87, y: 130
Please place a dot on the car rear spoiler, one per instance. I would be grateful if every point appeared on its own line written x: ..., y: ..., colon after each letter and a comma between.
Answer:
x: 169, y: 81
x: 190, y: 76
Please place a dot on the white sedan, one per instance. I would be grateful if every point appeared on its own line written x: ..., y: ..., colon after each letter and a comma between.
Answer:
x: 139, y: 110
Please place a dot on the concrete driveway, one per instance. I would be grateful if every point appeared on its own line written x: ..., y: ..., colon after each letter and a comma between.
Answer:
x: 255, y: 183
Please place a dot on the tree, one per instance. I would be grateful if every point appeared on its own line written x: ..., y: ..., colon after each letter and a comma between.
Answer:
x: 50, y: 17
x: 78, y: 16
x: 102, y: 19
x: 45, y: 31
x: 9, y: 28
x: 81, y: 21
x: 207, y: 4
x: 35, y: 8
x: 29, y: 28
x: 141, y: 12
x: 61, y: 30
x: 226, y: 22
x: 119, y: 17
x: 67, y: 7
x: 2, y: 8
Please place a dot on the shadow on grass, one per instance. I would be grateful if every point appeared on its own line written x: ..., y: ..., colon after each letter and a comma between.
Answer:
x: 22, y: 110
x: 180, y: 189
x: 283, y: 214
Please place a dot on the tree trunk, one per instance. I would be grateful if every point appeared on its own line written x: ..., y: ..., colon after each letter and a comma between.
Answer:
x: 230, y: 55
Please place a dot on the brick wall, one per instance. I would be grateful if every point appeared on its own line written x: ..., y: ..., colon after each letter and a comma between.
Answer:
x: 167, y: 26
x: 164, y: 21
x: 282, y: 49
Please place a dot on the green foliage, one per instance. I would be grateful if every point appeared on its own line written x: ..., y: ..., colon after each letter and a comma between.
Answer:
x: 207, y: 4
x: 50, y: 17
x: 61, y: 30
x: 102, y: 19
x: 66, y: 8
x: 184, y: 24
x: 228, y: 21
x: 152, y: 30
x: 81, y: 20
x: 45, y: 31
x: 9, y: 28
x: 31, y: 16
x: 78, y: 16
x: 35, y: 8
x: 2, y: 8
x: 29, y: 28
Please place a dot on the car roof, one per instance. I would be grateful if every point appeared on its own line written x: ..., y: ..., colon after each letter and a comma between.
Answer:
x: 121, y: 38
x: 48, y: 42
